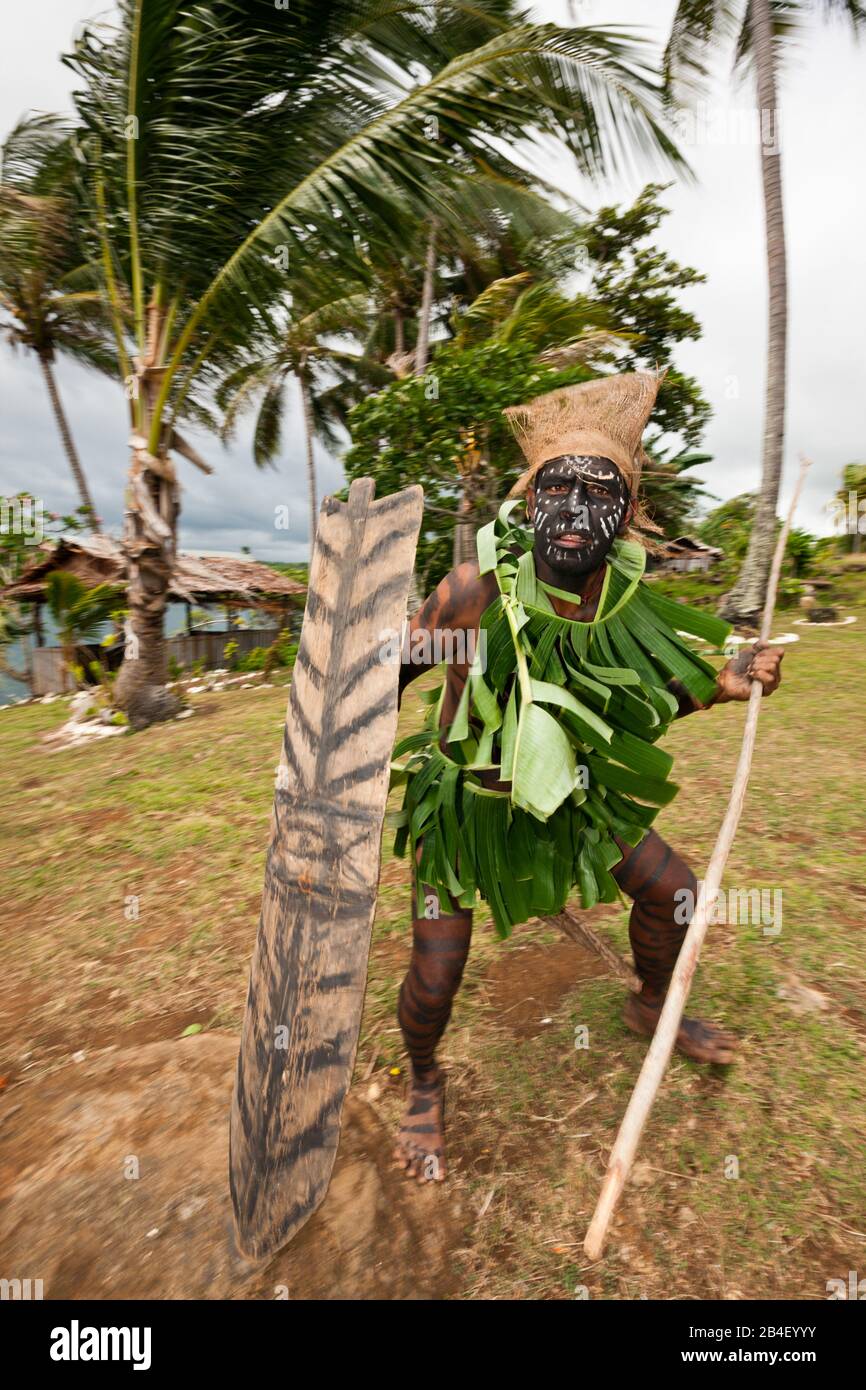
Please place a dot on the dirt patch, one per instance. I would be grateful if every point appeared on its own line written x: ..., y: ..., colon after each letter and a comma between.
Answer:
x: 392, y: 953
x: 89, y: 1027
x: 89, y: 821
x: 114, y: 1185
x: 527, y: 985
x: 395, y: 872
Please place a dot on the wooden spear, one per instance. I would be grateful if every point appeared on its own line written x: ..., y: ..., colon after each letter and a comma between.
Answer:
x: 655, y: 1063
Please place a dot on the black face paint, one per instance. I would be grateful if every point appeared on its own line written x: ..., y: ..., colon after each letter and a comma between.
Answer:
x: 579, y: 505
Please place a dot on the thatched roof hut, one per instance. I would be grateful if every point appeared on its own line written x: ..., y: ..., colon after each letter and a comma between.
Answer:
x: 687, y: 553
x: 231, y: 580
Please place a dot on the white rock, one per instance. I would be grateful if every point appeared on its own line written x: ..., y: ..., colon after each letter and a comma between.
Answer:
x: 79, y: 705
x: 185, y: 714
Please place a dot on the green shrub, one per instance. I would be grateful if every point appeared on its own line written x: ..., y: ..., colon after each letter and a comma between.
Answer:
x: 254, y: 660
x: 790, y: 592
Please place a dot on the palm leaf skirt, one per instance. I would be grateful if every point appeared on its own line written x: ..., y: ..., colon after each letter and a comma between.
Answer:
x: 569, y: 715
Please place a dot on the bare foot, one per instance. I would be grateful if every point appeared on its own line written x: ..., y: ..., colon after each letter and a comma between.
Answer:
x: 703, y: 1042
x: 420, y: 1147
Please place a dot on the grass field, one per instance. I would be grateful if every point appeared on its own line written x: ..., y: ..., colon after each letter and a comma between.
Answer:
x: 132, y: 873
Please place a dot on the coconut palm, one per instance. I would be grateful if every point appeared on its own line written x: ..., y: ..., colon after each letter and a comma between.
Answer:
x: 300, y: 351
x: 494, y: 209
x: 849, y: 503
x: 79, y: 613
x: 235, y: 149
x: 47, y: 308
x: 760, y: 29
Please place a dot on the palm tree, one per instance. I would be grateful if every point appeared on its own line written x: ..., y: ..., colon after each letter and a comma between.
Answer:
x: 849, y: 503
x: 46, y: 309
x: 760, y: 27
x: 298, y: 351
x: 235, y: 149
x: 79, y: 612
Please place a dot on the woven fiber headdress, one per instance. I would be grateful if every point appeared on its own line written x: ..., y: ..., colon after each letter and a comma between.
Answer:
x: 603, y: 418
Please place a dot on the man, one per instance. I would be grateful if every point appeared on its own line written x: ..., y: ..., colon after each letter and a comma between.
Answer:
x: 581, y: 489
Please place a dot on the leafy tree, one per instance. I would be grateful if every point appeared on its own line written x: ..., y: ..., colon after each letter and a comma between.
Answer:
x: 670, y: 496
x: 800, y: 551
x: 729, y: 525
x: 638, y: 284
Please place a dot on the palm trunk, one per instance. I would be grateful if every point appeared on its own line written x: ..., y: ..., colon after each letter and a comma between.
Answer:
x: 474, y: 476
x: 399, y: 333
x: 149, y: 546
x: 746, y: 600
x: 307, y: 410
x: 464, y: 534
x: 68, y: 443
x: 149, y: 530
x: 422, y: 347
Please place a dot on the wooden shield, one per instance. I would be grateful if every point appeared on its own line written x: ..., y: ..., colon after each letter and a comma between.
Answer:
x: 309, y: 966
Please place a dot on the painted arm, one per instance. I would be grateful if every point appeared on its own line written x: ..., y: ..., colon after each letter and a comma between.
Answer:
x: 455, y: 605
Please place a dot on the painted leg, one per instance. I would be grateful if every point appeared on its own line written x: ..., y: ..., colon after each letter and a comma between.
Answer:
x: 440, y: 947
x: 655, y: 877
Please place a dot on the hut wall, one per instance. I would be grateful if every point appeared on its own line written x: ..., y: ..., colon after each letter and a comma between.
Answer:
x: 210, y: 646
x: 50, y: 677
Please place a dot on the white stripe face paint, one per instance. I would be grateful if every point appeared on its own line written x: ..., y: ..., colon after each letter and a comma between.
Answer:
x: 580, y: 503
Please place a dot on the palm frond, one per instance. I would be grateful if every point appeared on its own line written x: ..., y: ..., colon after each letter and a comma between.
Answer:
x: 484, y: 91
x: 268, y: 429
x: 697, y: 29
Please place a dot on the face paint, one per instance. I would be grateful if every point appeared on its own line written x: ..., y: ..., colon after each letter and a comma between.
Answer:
x: 579, y: 506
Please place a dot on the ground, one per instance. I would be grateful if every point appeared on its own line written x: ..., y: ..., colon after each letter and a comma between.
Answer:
x: 132, y: 877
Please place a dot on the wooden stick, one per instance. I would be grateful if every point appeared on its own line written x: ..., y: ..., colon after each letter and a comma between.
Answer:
x: 585, y: 935
x: 662, y: 1045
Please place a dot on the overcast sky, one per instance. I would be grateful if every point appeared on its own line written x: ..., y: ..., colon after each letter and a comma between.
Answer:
x: 715, y: 225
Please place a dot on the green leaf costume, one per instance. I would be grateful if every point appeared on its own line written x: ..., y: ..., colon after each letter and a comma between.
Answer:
x: 569, y: 714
